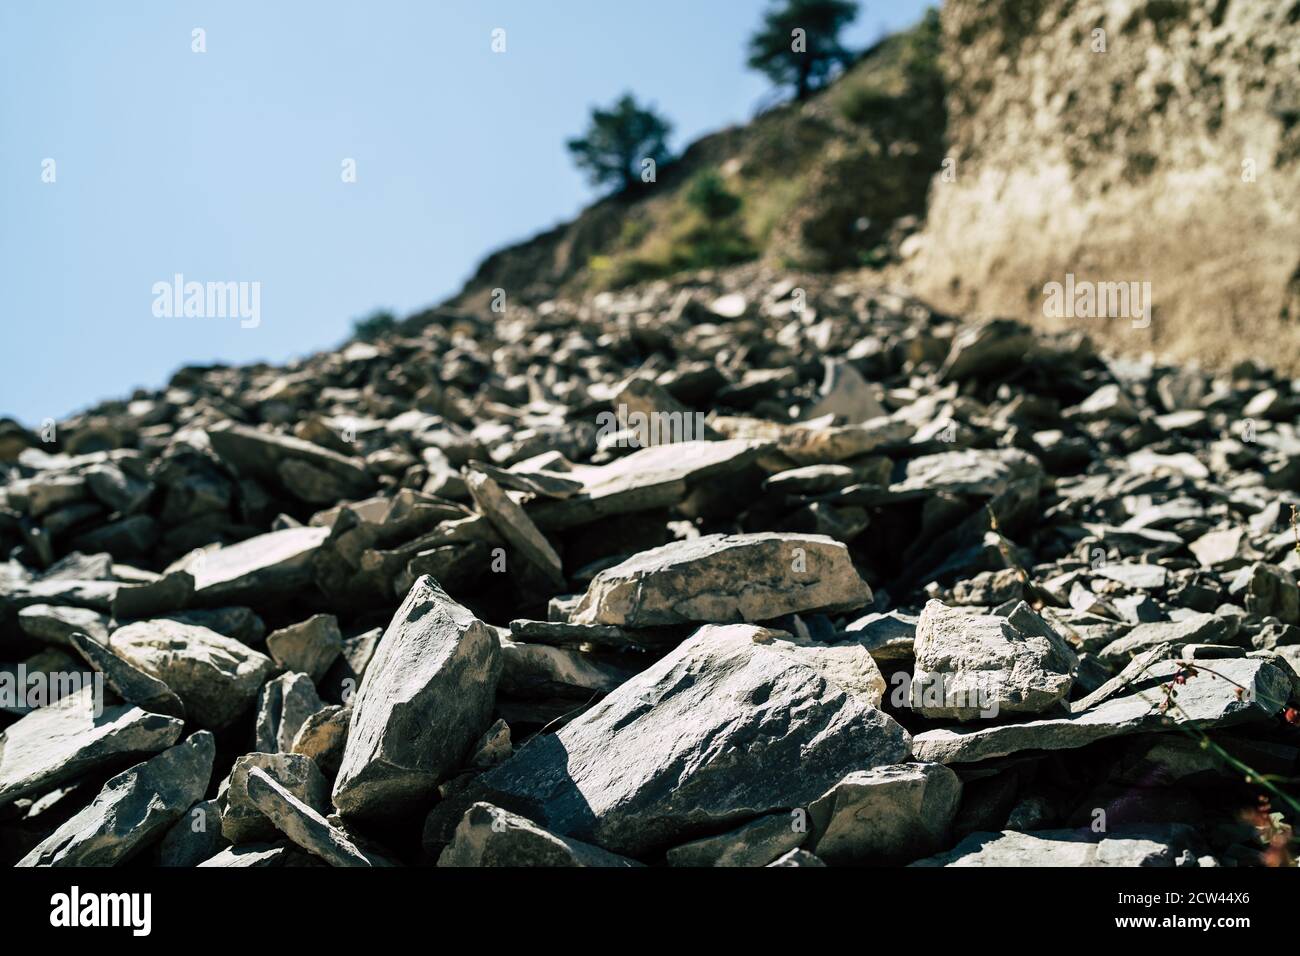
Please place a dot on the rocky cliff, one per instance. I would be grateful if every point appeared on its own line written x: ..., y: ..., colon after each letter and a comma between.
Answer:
x: 1147, y: 140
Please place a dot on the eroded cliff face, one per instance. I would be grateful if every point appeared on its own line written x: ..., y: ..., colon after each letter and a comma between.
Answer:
x: 1124, y: 140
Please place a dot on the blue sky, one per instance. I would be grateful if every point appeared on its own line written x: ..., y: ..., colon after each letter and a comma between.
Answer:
x: 226, y: 165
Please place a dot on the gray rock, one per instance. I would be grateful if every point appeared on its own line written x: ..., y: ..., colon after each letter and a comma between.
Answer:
x: 426, y: 698
x: 309, y: 647
x: 514, y: 525
x: 1205, y: 701
x: 134, y: 808
x: 242, y: 820
x: 1154, y: 846
x: 323, y: 736
x: 283, y: 706
x: 885, y: 815
x: 724, y: 578
x: 490, y: 836
x: 736, y: 717
x: 195, y: 837
x: 217, y: 677
x: 56, y: 625
x: 757, y: 843
x: 650, y: 478
x: 972, y: 666
x: 131, y: 684
x: 281, y: 853
x: 67, y: 739
x: 540, y: 670
x: 1194, y: 629
x: 797, y: 858
x: 889, y: 636
x: 304, y: 825
x: 265, y: 455
x: 266, y: 567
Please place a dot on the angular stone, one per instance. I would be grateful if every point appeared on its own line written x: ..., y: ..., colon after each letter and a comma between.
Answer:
x: 195, y: 837
x: 535, y: 481
x: 283, y: 706
x: 1151, y: 846
x: 737, y: 721
x: 170, y: 592
x: 67, y: 739
x: 1204, y: 701
x: 323, y: 736
x: 56, y: 625
x: 131, y: 684
x: 1269, y: 591
x: 845, y: 394
x: 650, y: 478
x: 537, y: 670
x: 724, y: 578
x: 490, y: 836
x: 241, y: 819
x: 514, y: 525
x: 262, y: 855
x: 309, y: 647
x: 266, y: 567
x: 303, y: 825
x: 1194, y: 629
x: 984, y: 349
x: 757, y: 843
x: 890, y: 636
x: 426, y: 697
x: 797, y: 858
x: 885, y: 815
x: 263, y: 455
x: 134, y: 808
x: 217, y: 678
x: 968, y: 666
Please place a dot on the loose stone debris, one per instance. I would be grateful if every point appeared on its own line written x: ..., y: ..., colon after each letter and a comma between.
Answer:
x: 908, y: 590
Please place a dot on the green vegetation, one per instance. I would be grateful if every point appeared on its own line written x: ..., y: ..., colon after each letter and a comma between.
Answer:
x: 618, y: 142
x: 378, y: 323
x: 798, y: 43
x: 702, y: 229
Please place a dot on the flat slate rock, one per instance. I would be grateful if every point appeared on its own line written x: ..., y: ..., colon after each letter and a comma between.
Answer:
x: 265, y: 567
x: 133, y: 810
x: 284, y: 704
x: 242, y: 821
x: 303, y: 825
x: 1205, y: 701
x: 757, y: 843
x: 56, y: 625
x: 1164, y: 846
x: 514, y: 525
x: 67, y: 739
x: 722, y: 578
x: 309, y: 647
x: 735, y: 717
x: 129, y: 682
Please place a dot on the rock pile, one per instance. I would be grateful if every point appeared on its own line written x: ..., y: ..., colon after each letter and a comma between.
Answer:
x: 744, y: 570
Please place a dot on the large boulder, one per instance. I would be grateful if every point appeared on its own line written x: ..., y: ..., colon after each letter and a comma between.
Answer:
x: 736, y: 722
x: 427, y: 696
